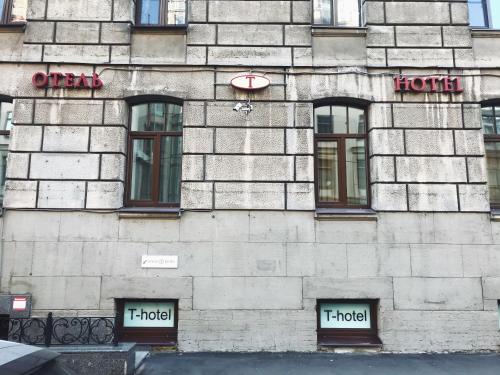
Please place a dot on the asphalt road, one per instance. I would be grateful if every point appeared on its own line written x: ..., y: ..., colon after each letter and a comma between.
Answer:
x: 319, y: 364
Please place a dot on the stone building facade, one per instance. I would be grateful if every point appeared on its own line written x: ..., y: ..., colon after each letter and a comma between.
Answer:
x: 256, y: 249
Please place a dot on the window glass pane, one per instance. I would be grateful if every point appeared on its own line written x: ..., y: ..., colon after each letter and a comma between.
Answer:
x: 176, y: 12
x: 174, y: 118
x: 339, y: 115
x: 356, y: 171
x: 157, y: 117
x: 497, y: 119
x: 4, y: 145
x: 328, y: 171
x: 139, y: 118
x: 488, y: 120
x: 347, y: 13
x: 495, y: 14
x: 477, y: 13
x: 19, y: 8
x: 322, y: 12
x: 6, y: 116
x: 142, y: 169
x: 170, y: 169
x: 493, y: 165
x: 150, y: 12
x: 356, y: 121
x: 322, y: 120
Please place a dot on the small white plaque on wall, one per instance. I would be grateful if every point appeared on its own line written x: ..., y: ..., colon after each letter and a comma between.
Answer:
x: 159, y: 261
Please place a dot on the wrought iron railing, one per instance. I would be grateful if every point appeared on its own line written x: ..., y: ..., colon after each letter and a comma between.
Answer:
x: 63, y: 331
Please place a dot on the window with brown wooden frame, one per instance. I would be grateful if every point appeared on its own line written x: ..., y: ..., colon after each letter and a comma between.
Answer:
x: 341, y: 156
x: 5, y: 128
x: 161, y: 13
x: 491, y: 130
x: 147, y: 321
x: 13, y: 11
x: 347, y: 323
x: 155, y: 154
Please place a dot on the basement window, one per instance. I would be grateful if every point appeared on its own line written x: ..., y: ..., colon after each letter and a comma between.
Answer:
x: 147, y: 321
x: 347, y: 323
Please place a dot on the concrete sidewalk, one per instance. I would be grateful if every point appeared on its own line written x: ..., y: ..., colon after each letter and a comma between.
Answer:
x: 320, y: 364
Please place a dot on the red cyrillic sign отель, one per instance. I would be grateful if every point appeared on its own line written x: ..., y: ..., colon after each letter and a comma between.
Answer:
x: 58, y: 80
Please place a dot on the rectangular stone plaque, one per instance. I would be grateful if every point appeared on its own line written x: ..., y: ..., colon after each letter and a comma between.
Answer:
x: 159, y: 261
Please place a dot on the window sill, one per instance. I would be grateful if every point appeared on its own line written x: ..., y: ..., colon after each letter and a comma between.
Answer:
x: 485, y: 33
x: 150, y: 213
x: 164, y: 29
x: 16, y: 27
x: 351, y: 342
x: 327, y: 30
x: 346, y: 214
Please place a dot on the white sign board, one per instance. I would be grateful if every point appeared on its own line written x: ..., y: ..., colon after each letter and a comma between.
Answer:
x: 345, y: 315
x: 149, y: 314
x: 250, y: 82
x: 19, y: 303
x: 159, y: 261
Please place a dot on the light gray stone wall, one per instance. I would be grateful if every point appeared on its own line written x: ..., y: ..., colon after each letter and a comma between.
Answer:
x: 427, y: 270
x: 253, y: 255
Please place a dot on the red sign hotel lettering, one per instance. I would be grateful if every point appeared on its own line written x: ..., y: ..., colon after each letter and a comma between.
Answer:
x: 57, y: 80
x: 428, y: 84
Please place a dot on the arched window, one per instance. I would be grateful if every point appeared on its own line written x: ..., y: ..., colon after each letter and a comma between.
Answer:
x: 341, y: 155
x: 154, y: 154
x: 491, y: 130
x: 6, y: 108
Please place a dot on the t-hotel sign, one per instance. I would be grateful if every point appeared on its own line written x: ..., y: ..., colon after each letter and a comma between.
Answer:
x: 56, y: 80
x: 250, y: 82
x: 431, y: 84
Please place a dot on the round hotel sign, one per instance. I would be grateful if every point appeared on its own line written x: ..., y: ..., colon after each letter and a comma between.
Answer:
x: 250, y: 82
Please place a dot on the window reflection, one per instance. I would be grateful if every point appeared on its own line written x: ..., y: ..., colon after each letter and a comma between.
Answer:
x: 5, y: 128
x: 341, y: 13
x: 162, y: 12
x: 170, y: 169
x: 493, y: 162
x: 328, y: 171
x: 484, y: 13
x: 356, y: 171
x: 142, y: 169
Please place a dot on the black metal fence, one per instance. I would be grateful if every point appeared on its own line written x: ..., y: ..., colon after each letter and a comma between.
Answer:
x: 63, y: 331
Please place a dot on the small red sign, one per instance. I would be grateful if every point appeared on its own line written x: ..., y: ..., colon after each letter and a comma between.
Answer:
x: 20, y: 304
x: 250, y: 82
x: 428, y: 84
x: 56, y: 80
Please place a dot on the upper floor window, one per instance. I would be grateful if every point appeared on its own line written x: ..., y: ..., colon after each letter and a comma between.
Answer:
x: 339, y: 13
x: 5, y: 127
x: 484, y: 13
x: 341, y: 155
x: 155, y: 154
x: 13, y: 11
x: 491, y: 130
x: 161, y: 12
